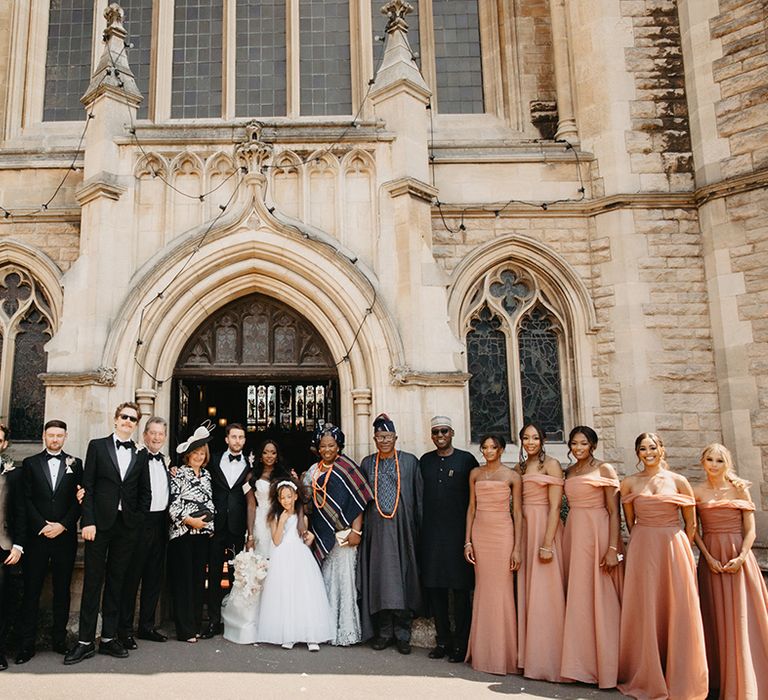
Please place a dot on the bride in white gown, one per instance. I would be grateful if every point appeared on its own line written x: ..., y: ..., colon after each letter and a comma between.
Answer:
x: 241, y: 611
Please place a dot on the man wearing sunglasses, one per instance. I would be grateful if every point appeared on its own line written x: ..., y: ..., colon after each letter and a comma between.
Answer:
x: 444, y: 571
x: 117, y: 495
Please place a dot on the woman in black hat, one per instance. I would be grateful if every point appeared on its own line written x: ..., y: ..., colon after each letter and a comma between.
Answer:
x: 191, y: 511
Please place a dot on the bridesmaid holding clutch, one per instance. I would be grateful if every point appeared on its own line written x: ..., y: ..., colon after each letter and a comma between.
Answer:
x: 734, y: 598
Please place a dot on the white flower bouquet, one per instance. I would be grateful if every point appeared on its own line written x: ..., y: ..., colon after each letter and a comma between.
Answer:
x: 250, y: 572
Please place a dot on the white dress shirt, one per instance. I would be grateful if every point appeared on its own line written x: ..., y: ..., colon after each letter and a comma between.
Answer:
x: 232, y: 469
x: 159, y: 483
x: 54, y: 464
x: 124, y: 456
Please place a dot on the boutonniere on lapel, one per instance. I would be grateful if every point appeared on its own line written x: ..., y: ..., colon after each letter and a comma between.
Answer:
x: 251, y: 459
x: 7, y: 465
x: 167, y: 461
x: 69, y: 461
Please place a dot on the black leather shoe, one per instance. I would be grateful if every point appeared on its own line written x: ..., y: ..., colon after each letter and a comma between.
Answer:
x: 457, y: 656
x: 152, y: 636
x: 60, y: 646
x: 438, y: 652
x: 379, y: 643
x: 128, y: 642
x: 3, y: 663
x: 79, y: 653
x: 113, y: 648
x: 212, y: 630
x: 403, y: 647
x: 24, y: 655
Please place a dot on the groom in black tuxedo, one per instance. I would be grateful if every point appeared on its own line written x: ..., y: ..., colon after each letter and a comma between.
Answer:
x: 117, y: 495
x: 51, y: 479
x: 229, y: 473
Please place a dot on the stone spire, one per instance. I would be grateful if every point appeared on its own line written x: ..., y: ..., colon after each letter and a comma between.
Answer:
x: 113, y: 74
x: 398, y: 63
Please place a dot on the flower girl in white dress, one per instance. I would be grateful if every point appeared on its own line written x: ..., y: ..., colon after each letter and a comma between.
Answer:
x: 294, y: 604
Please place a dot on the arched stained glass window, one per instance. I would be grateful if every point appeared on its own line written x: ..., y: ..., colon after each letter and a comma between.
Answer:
x: 25, y: 327
x: 515, y: 349
x: 489, y: 385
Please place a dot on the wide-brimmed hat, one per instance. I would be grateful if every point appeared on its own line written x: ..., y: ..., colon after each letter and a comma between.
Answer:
x: 200, y: 437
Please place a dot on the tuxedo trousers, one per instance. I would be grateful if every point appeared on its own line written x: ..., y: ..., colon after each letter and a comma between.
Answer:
x: 106, y: 562
x: 7, y: 610
x: 39, y: 553
x: 462, y: 616
x: 393, y: 624
x: 146, y: 569
x: 187, y: 557
x: 224, y: 547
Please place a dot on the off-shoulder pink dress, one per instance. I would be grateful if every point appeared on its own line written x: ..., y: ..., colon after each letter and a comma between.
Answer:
x: 493, y: 636
x: 661, y: 648
x: 593, y: 610
x: 734, y: 606
x: 540, y: 586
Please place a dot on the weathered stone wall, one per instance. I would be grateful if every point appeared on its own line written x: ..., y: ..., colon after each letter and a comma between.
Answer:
x: 60, y: 241
x: 659, y: 143
x: 742, y: 111
x: 534, y: 37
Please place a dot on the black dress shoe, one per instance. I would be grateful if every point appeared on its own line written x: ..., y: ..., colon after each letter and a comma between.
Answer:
x: 3, y: 663
x: 113, y: 648
x: 379, y: 643
x: 212, y: 630
x: 152, y: 636
x: 403, y: 647
x: 128, y: 642
x: 59, y: 647
x: 79, y: 653
x: 24, y: 655
x: 438, y: 652
x: 457, y: 656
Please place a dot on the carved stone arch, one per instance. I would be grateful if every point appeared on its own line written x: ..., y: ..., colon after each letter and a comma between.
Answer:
x: 150, y: 165
x: 287, y: 161
x: 322, y: 160
x: 45, y: 272
x: 323, y: 178
x: 220, y: 181
x: 184, y: 159
x: 219, y: 162
x: 358, y: 159
x: 287, y: 186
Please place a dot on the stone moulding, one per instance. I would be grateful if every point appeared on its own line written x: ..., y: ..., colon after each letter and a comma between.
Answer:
x: 404, y: 376
x: 102, y: 376
x: 102, y: 185
x: 415, y: 188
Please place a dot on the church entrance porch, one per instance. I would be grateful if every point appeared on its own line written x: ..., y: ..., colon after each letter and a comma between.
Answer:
x: 256, y: 362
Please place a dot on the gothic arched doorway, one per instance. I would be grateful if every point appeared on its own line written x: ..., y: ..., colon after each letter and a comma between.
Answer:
x: 257, y: 362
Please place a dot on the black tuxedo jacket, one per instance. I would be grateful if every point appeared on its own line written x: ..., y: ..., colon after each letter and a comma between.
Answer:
x: 46, y: 501
x: 13, y: 519
x: 229, y: 503
x: 105, y: 491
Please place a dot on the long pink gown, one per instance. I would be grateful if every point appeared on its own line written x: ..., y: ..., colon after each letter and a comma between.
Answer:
x: 493, y: 635
x: 734, y: 606
x: 661, y: 649
x: 593, y: 610
x: 540, y: 586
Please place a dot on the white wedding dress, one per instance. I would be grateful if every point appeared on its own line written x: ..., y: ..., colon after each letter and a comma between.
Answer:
x: 294, y: 604
x: 239, y: 614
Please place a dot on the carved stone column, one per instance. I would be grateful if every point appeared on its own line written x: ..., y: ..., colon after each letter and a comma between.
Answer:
x: 361, y: 401
x: 146, y: 400
x: 566, y: 117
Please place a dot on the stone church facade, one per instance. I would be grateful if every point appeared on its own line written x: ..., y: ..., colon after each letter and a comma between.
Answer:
x: 290, y: 211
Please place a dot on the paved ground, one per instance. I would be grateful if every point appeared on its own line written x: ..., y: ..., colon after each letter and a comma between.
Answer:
x: 216, y: 668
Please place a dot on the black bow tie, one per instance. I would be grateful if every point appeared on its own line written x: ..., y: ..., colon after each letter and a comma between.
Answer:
x: 235, y: 458
x: 158, y: 456
x: 127, y: 444
x: 59, y: 456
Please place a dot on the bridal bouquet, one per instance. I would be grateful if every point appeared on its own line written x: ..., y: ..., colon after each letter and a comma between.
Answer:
x: 250, y: 572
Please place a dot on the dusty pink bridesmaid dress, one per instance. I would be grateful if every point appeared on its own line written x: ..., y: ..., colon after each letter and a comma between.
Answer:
x: 734, y: 607
x: 540, y: 586
x: 493, y: 636
x: 661, y: 649
x: 593, y: 610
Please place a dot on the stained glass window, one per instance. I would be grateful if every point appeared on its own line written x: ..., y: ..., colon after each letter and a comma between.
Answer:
x: 540, y: 373
x: 488, y: 386
x: 68, y: 59
x: 514, y: 345
x: 25, y: 328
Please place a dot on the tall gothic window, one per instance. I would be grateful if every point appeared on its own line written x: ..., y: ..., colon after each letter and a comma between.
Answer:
x: 68, y: 59
x: 25, y: 327
x: 516, y: 350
